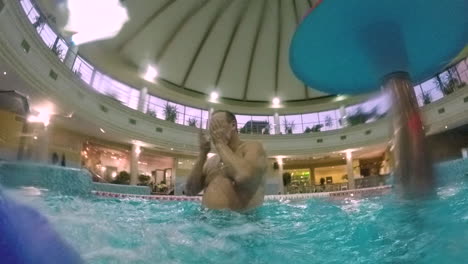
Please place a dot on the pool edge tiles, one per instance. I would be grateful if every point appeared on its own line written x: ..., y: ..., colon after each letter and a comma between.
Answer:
x: 373, y: 191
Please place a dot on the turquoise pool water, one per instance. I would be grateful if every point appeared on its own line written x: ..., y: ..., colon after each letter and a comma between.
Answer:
x: 382, y: 229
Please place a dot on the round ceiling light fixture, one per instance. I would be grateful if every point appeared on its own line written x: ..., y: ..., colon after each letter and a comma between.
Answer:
x: 276, y: 101
x: 214, y: 96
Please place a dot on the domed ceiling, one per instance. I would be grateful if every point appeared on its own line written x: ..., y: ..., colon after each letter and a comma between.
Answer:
x: 238, y: 47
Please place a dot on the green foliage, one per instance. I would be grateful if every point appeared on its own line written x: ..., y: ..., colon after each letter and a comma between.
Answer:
x: 289, y: 126
x: 361, y: 117
x: 151, y: 113
x: 122, y: 178
x: 58, y: 50
x: 40, y: 20
x: 144, y: 179
x: 170, y: 112
x: 426, y: 98
x: 192, y: 122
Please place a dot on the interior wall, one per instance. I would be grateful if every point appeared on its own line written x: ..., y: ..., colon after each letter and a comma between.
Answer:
x: 447, y: 146
x: 336, y: 172
x: 11, y: 128
x: 66, y: 143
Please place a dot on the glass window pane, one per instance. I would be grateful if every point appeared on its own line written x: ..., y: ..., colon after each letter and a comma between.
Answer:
x: 192, y: 117
x: 61, y: 49
x: 83, y: 69
x: 47, y: 35
x: 431, y: 90
x: 30, y: 11
x: 169, y: 114
x: 310, y: 122
x: 261, y: 125
x: 328, y: 120
x: 463, y: 71
x: 244, y: 124
x: 291, y: 124
x: 156, y: 107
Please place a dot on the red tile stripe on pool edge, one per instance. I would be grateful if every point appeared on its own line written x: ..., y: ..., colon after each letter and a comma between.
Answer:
x: 358, y: 192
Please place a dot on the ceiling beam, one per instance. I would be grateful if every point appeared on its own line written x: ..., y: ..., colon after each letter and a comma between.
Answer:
x: 278, y: 47
x: 145, y: 24
x: 213, y: 22
x: 176, y: 31
x: 240, y: 16
x: 296, y: 15
x: 254, y: 48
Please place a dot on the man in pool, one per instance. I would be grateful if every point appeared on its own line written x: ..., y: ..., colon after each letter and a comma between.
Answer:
x: 234, y: 178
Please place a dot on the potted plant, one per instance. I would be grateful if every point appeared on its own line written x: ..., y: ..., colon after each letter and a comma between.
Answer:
x: 361, y: 117
x: 170, y: 112
x: 192, y: 122
x: 151, y: 113
x: 316, y: 128
x: 57, y: 50
x: 40, y: 20
x: 289, y: 126
x: 426, y: 98
x: 144, y: 179
x: 122, y: 178
x: 328, y: 121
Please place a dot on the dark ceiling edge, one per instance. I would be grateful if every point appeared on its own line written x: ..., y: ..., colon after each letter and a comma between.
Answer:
x: 178, y: 28
x: 231, y: 39
x: 207, y: 33
x: 196, y: 92
x: 278, y: 47
x: 260, y: 23
x: 145, y: 24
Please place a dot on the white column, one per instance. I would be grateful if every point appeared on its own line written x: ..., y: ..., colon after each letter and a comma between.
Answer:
x: 142, y: 100
x: 343, y: 116
x: 71, y: 56
x: 134, y: 155
x: 277, y: 124
x: 349, y: 169
x: 209, y: 117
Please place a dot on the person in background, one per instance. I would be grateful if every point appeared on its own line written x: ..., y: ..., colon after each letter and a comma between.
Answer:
x: 55, y: 158
x: 235, y: 177
x: 63, y: 163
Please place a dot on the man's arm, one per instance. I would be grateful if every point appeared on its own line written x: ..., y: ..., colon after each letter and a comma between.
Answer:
x: 196, y: 180
x: 244, y: 171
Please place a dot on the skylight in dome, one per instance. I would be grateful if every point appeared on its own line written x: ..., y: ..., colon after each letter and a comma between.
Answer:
x: 93, y: 20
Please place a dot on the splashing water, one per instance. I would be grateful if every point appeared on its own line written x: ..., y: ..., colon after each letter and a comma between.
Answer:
x: 372, y: 230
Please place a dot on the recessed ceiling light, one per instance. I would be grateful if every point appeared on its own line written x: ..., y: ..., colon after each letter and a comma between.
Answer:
x: 276, y: 101
x: 172, y: 148
x: 214, y: 96
x: 151, y: 73
x: 4, y: 73
x: 35, y: 137
x: 102, y: 130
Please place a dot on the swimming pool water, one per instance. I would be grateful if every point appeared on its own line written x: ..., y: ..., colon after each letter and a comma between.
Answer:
x: 382, y: 229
